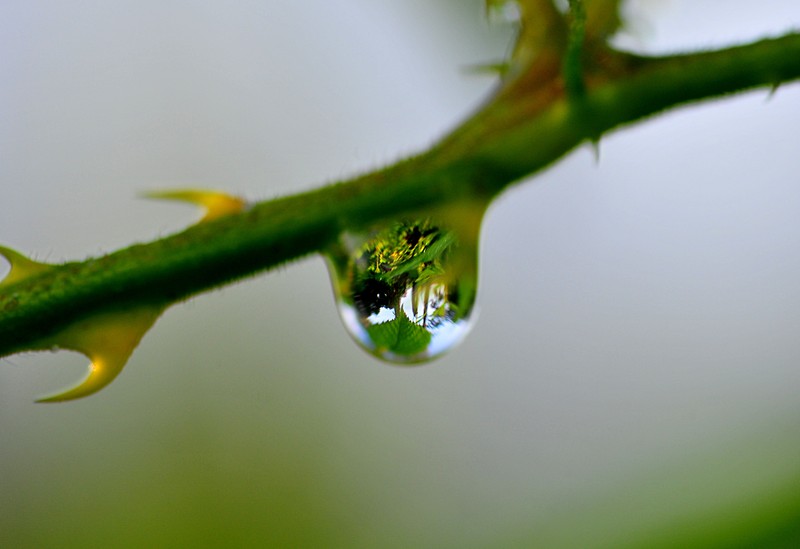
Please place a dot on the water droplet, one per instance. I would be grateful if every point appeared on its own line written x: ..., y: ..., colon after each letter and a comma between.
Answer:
x: 406, y: 291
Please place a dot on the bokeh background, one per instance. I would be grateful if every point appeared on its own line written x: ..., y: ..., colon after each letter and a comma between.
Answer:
x: 632, y: 379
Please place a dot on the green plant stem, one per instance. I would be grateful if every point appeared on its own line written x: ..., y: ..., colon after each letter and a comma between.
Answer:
x: 573, y: 66
x: 528, y: 124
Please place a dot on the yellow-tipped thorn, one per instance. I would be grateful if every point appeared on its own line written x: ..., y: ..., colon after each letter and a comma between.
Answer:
x: 216, y: 204
x: 108, y: 340
x: 21, y: 266
x: 493, y: 69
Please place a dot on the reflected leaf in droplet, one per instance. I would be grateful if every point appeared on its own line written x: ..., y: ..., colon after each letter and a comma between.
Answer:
x: 406, y: 290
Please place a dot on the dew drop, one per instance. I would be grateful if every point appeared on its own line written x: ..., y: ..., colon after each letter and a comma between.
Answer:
x: 406, y: 290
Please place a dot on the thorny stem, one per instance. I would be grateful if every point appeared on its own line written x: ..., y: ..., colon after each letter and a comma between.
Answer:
x: 528, y: 124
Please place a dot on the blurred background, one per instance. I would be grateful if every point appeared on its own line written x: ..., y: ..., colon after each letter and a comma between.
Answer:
x: 633, y: 377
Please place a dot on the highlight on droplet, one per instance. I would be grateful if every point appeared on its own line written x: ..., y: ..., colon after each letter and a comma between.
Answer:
x: 406, y: 290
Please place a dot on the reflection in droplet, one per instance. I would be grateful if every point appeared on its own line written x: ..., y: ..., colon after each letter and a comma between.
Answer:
x: 406, y: 291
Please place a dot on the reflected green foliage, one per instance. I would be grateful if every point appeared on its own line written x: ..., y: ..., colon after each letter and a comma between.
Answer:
x: 400, y: 336
x: 406, y: 290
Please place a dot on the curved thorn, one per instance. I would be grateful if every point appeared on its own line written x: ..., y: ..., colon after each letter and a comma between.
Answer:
x: 21, y: 266
x: 216, y: 204
x: 102, y: 371
x: 108, y: 340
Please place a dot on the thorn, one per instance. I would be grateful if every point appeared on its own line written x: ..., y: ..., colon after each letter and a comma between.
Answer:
x: 108, y: 340
x: 493, y: 69
x: 217, y: 204
x: 21, y: 266
x: 594, y: 143
x: 772, y: 90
